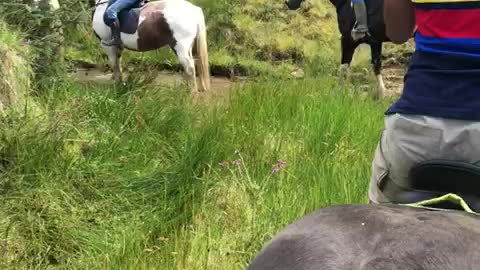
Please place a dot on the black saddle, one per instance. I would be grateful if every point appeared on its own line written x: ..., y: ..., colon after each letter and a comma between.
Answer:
x: 128, y: 18
x: 435, y: 178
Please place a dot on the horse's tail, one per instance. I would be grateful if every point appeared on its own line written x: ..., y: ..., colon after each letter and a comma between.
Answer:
x: 202, y: 53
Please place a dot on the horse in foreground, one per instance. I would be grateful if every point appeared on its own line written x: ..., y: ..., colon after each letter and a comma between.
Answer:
x: 432, y: 224
x: 346, y: 21
x: 375, y: 237
x: 154, y: 25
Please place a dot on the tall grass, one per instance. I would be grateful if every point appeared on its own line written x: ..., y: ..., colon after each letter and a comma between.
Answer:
x: 136, y: 177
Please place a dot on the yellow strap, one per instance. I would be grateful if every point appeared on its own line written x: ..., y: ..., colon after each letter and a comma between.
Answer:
x: 448, y: 197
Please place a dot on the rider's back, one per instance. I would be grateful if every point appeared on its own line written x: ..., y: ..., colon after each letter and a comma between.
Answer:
x: 438, y: 115
x: 444, y: 72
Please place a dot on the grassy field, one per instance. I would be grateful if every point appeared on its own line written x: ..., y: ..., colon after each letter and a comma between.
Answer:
x: 137, y: 176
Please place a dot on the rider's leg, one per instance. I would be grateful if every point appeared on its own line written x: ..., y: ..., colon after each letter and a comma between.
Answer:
x: 361, y: 27
x: 112, y: 14
x: 408, y: 140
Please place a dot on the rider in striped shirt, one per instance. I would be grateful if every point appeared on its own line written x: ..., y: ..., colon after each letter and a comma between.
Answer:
x: 438, y: 114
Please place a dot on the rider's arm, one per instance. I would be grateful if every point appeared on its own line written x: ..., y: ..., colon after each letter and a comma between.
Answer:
x: 399, y: 20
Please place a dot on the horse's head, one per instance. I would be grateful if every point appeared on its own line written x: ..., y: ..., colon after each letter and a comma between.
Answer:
x: 293, y: 4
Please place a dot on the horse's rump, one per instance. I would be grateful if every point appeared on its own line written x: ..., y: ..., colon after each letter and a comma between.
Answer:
x: 373, y: 237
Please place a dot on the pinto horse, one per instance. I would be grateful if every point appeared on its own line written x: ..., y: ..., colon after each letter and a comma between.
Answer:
x: 154, y: 25
x: 346, y: 21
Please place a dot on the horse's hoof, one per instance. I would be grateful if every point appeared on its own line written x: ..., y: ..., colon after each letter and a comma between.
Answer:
x: 377, y: 96
x: 116, y: 78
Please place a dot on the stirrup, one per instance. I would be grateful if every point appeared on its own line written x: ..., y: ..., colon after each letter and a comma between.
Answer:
x: 359, y: 35
x: 112, y: 42
x: 116, y: 39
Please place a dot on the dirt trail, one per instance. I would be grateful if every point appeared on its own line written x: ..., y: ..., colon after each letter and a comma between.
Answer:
x: 393, y: 77
x: 221, y: 86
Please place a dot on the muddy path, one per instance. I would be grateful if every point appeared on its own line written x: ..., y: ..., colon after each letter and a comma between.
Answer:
x: 393, y: 77
x: 220, y: 86
x: 223, y: 86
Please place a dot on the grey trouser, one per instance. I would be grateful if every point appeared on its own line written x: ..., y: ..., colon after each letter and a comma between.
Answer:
x: 360, y: 10
x: 410, y: 139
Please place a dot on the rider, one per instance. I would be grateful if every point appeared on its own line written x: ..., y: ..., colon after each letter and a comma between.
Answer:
x: 361, y: 27
x: 438, y: 114
x: 112, y: 13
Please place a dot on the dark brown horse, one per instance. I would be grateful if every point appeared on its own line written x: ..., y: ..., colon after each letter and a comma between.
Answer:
x: 439, y: 235
x: 346, y: 21
x: 375, y: 237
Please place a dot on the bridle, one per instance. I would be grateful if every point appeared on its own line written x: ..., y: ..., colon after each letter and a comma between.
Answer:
x: 99, y: 3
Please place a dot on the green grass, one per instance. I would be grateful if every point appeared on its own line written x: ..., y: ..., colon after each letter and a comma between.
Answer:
x: 128, y: 177
x: 135, y: 176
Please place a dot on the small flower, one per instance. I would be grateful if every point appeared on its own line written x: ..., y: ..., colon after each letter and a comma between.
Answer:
x: 275, y: 170
x: 281, y: 163
x: 236, y: 162
x: 237, y: 152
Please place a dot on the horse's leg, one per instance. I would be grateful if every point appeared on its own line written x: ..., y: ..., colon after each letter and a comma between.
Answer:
x: 184, y: 54
x: 114, y: 54
x: 193, y: 70
x: 348, y: 49
x: 119, y: 63
x: 376, y: 48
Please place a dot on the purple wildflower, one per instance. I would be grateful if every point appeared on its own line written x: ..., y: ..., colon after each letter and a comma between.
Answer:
x: 276, y: 170
x: 279, y: 166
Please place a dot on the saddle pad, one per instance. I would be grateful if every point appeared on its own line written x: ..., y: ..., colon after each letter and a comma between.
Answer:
x: 452, y: 198
x: 128, y: 18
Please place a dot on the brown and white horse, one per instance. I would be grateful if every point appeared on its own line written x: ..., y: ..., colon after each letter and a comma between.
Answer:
x: 175, y: 23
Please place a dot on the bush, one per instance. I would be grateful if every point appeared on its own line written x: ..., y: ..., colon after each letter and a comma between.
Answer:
x: 15, y: 70
x: 43, y: 24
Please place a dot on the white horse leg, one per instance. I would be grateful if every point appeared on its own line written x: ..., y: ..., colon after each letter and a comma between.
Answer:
x: 344, y: 73
x: 186, y: 60
x: 114, y: 54
x: 193, y: 70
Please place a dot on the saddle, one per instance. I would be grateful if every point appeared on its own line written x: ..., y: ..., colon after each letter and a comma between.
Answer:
x: 128, y: 18
x: 436, y: 178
